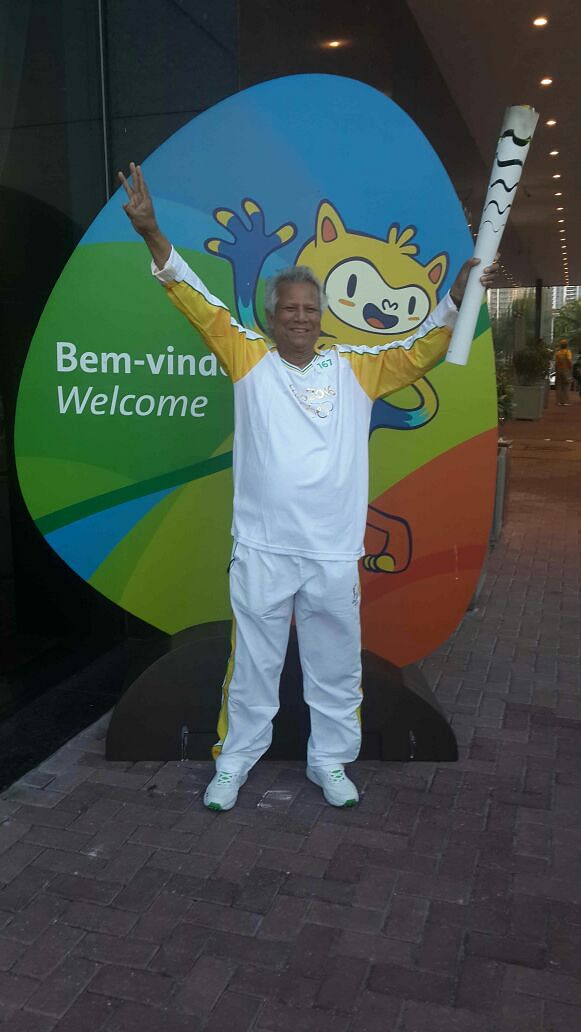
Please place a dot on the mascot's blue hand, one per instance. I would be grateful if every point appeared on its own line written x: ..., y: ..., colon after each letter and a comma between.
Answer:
x: 251, y: 244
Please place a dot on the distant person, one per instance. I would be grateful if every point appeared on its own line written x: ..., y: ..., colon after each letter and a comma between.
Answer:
x: 563, y: 369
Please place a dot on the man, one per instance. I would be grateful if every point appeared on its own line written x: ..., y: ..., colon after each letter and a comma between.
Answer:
x: 563, y: 367
x: 300, y: 501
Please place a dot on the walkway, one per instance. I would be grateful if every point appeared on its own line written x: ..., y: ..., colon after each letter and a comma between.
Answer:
x: 449, y: 901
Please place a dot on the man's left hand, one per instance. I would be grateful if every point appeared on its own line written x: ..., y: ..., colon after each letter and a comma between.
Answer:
x: 488, y: 279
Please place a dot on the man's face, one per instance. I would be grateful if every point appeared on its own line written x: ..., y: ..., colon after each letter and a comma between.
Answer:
x: 296, y: 324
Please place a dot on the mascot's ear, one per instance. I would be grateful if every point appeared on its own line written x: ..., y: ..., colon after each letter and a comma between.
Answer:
x: 436, y: 269
x: 329, y: 224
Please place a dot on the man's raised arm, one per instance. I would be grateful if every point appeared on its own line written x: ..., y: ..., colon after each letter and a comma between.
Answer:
x: 140, y: 211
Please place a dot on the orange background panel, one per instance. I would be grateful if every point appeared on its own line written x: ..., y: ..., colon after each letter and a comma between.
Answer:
x: 448, y: 504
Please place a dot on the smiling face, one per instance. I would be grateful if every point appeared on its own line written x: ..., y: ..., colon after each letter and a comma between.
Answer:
x: 361, y: 298
x: 296, y: 324
x: 376, y: 288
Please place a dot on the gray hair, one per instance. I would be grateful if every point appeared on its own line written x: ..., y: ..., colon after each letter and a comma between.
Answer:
x: 294, y: 274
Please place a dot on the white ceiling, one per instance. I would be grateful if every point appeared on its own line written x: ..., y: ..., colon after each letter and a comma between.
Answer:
x: 492, y: 57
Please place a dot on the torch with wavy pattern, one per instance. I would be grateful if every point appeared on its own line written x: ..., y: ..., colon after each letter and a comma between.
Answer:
x: 511, y: 152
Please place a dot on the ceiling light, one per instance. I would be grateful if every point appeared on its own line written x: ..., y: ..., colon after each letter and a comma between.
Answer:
x: 333, y: 43
x: 546, y: 81
x: 560, y: 209
x: 557, y: 175
x: 553, y: 153
x: 551, y: 121
x: 560, y: 220
x: 559, y: 193
x: 540, y: 22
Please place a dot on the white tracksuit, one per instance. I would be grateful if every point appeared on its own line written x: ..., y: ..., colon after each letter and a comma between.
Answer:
x: 300, y: 503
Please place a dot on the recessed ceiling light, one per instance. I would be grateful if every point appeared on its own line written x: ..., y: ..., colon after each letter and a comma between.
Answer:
x: 551, y: 121
x: 540, y: 22
x: 557, y: 175
x: 560, y: 209
x: 560, y: 220
x: 559, y: 193
x: 334, y: 43
x: 546, y: 81
x: 553, y: 153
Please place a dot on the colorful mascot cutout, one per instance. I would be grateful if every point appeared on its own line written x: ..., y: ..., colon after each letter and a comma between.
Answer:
x: 124, y: 422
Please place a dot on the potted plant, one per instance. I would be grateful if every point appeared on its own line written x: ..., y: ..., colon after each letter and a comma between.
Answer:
x: 504, y: 387
x: 531, y: 367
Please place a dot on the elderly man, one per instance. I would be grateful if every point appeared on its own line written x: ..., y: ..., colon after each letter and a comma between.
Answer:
x: 300, y: 500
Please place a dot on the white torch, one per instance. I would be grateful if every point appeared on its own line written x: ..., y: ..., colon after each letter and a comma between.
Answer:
x: 512, y: 148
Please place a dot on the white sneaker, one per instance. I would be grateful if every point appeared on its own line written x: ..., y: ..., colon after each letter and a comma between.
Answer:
x: 337, y: 788
x: 222, y: 792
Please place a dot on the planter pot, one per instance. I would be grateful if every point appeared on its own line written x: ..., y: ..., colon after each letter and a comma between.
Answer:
x: 529, y: 401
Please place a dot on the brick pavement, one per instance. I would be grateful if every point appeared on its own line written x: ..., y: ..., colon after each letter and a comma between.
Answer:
x: 448, y: 901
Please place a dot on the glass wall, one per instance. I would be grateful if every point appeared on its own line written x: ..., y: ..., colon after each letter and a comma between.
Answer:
x: 85, y: 86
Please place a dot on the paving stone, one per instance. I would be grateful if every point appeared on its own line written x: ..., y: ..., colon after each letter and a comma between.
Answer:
x: 375, y: 1012
x: 204, y: 986
x: 235, y: 1012
x: 10, y: 952
x: 111, y: 949
x: 323, y: 889
x: 406, y: 918
x: 135, y: 1017
x: 89, y: 1013
x: 223, y: 918
x: 263, y: 952
x: 519, y: 1013
x: 507, y: 949
x: 16, y: 858
x: 94, y: 918
x: 25, y: 1021
x: 343, y: 983
x: 127, y: 983
x: 422, y: 1017
x: 549, y: 985
x: 24, y: 888
x: 61, y: 988
x: 440, y: 949
x: 310, y: 953
x: 49, y: 950
x: 278, y: 1018
x: 15, y: 989
x: 379, y: 948
x: 159, y: 921
x: 561, y: 1017
x: 259, y: 890
x: 480, y: 984
x: 409, y: 984
x: 32, y: 921
x: 284, y: 917
x: 73, y: 887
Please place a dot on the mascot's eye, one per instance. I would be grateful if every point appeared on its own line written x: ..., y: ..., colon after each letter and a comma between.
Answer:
x: 411, y: 306
x: 351, y: 285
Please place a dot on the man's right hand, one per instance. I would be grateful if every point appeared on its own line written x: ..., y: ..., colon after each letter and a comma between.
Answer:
x: 139, y: 209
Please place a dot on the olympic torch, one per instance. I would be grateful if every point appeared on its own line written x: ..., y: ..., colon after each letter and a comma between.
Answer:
x: 511, y: 152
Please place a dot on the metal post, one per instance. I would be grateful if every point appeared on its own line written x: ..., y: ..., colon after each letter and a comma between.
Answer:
x: 538, y: 307
x: 104, y: 98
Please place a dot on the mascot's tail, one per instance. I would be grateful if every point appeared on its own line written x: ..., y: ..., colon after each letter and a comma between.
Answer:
x: 385, y: 416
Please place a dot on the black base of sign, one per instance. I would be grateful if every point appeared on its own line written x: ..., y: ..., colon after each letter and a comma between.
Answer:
x: 170, y: 711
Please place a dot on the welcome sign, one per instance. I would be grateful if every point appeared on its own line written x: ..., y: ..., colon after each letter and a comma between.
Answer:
x: 124, y: 423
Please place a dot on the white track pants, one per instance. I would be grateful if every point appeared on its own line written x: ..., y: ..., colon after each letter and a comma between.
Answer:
x: 265, y: 589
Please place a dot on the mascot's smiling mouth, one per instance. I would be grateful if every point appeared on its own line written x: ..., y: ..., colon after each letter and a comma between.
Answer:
x: 378, y: 319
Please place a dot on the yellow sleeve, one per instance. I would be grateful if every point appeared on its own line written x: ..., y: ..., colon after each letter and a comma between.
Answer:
x: 237, y: 349
x: 387, y: 368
